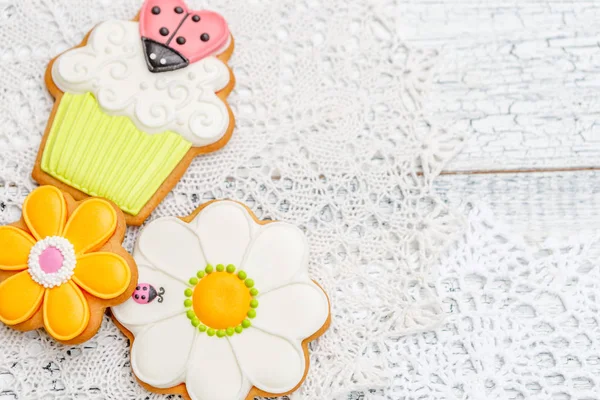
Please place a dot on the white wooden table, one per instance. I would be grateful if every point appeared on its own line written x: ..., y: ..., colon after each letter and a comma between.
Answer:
x: 522, y: 80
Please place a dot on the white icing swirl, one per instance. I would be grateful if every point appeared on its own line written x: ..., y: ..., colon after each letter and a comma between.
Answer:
x: 112, y: 67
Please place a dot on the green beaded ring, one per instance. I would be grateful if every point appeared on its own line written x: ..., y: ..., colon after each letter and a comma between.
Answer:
x: 242, y: 275
x: 231, y: 268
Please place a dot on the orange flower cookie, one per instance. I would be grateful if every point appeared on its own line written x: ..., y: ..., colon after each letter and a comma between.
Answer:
x: 224, y: 308
x: 62, y: 264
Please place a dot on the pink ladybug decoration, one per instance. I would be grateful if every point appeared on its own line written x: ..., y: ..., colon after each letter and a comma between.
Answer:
x: 175, y: 36
x: 145, y: 293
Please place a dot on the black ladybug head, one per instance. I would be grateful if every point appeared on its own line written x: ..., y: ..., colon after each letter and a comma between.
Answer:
x: 161, y: 58
x: 151, y: 293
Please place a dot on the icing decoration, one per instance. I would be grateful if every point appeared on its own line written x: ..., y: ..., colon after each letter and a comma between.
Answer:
x: 90, y: 225
x: 20, y: 298
x: 160, y: 358
x: 91, y: 272
x: 112, y: 67
x: 213, y: 361
x: 15, y: 246
x: 146, y: 293
x: 219, y: 300
x: 52, y: 261
x: 148, y: 159
x: 215, y: 348
x: 272, y: 363
x: 59, y: 263
x: 175, y: 36
x: 135, y: 313
x: 39, y: 208
x: 66, y: 312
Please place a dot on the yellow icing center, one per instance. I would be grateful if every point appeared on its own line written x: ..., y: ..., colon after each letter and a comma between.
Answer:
x: 221, y: 300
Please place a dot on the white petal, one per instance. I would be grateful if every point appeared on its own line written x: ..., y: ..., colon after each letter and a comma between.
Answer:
x: 277, y: 254
x: 224, y: 228
x: 172, y: 246
x: 213, y: 371
x: 160, y: 353
x: 270, y: 363
x: 296, y: 311
x: 132, y: 313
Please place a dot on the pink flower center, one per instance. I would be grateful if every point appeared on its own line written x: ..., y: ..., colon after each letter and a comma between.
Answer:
x: 51, y: 260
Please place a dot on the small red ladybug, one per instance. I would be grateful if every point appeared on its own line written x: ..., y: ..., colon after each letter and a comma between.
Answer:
x: 145, y: 293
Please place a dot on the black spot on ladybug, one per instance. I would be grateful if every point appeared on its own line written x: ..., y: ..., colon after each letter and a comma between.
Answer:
x: 145, y: 288
x: 204, y: 37
x: 137, y: 288
x: 143, y: 297
x: 137, y: 296
x: 156, y: 10
x: 196, y: 18
x: 181, y: 40
x: 178, y: 10
x: 164, y: 31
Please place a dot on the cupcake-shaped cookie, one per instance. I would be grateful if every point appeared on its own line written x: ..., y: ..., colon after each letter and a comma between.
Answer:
x: 135, y: 103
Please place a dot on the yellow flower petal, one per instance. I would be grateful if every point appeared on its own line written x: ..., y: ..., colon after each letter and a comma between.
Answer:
x: 15, y: 246
x: 45, y: 212
x: 66, y: 311
x: 20, y: 298
x: 91, y: 225
x: 104, y: 275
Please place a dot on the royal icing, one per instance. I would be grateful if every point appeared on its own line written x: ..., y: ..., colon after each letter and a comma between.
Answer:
x: 112, y: 66
x: 55, y: 260
x: 175, y: 36
x: 238, y: 302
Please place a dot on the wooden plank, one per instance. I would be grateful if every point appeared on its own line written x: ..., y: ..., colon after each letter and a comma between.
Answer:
x: 539, y: 204
x: 520, y: 77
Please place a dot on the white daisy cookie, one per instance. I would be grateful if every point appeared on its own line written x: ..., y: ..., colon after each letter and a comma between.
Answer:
x: 224, y: 307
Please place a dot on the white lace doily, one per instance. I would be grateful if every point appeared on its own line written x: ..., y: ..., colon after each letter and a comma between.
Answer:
x: 522, y: 321
x: 333, y: 134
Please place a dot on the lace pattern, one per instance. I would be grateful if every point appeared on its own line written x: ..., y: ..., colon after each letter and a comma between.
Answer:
x: 521, y: 320
x: 333, y: 134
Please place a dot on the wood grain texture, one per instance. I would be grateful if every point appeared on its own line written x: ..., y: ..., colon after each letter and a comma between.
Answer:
x: 552, y: 204
x: 521, y: 78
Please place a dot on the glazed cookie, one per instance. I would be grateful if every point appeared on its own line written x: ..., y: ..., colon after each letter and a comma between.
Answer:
x: 135, y: 103
x: 62, y: 264
x: 224, y: 308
